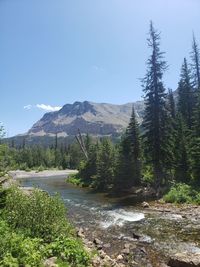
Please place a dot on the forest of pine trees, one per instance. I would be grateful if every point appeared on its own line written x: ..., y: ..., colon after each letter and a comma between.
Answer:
x: 164, y: 149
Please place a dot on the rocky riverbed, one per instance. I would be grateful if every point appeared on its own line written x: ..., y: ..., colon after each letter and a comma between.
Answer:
x: 146, y: 234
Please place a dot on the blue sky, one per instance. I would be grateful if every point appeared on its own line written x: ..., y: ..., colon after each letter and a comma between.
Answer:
x: 57, y: 52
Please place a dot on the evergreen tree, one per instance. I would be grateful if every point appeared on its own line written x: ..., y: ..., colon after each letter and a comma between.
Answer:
x: 155, y: 142
x: 186, y: 98
x: 182, y: 165
x: 195, y: 56
x: 88, y: 168
x: 171, y: 133
x: 105, y: 165
x: 129, y: 158
x: 171, y: 104
x: 195, y: 159
x: 195, y: 144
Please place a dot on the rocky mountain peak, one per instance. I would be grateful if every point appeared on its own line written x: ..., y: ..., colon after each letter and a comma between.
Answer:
x: 98, y: 119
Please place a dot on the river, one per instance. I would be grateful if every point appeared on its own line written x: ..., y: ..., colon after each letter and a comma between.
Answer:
x: 153, y: 236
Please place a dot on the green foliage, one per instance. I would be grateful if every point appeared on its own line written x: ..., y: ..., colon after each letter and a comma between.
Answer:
x: 69, y: 250
x: 128, y: 171
x: 155, y: 142
x: 88, y: 168
x: 180, y: 193
x: 105, y: 166
x: 18, y: 250
x: 186, y: 100
x: 195, y: 159
x: 182, y: 157
x: 36, y: 213
x: 33, y: 228
x: 75, y: 180
x: 147, y: 175
x: 39, y: 158
x: 197, y: 198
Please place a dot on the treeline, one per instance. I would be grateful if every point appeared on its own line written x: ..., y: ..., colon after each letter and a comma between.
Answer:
x: 166, y: 147
x: 40, y: 157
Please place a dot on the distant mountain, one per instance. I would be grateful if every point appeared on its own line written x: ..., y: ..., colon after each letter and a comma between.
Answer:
x: 97, y: 119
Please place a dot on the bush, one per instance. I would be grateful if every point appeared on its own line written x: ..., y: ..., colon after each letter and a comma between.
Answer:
x: 197, y: 198
x: 147, y: 175
x: 180, y: 193
x: 74, y: 179
x: 36, y: 213
x: 33, y: 228
x: 40, y: 168
x: 18, y: 250
x: 70, y: 250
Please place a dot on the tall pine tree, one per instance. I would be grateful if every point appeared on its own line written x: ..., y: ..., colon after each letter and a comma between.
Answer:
x: 186, y: 98
x: 182, y: 164
x: 195, y: 57
x: 129, y: 158
x: 105, y: 165
x: 155, y: 109
x: 171, y: 132
x: 195, y: 144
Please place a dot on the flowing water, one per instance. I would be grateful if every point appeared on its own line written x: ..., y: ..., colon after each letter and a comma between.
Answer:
x: 113, y: 222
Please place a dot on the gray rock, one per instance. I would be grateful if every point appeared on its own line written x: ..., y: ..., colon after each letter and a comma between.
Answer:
x: 126, y: 251
x: 80, y: 233
x: 185, y: 259
x: 94, y: 118
x: 51, y: 262
x: 97, y: 241
x: 145, y: 204
x: 108, y: 245
x: 119, y: 257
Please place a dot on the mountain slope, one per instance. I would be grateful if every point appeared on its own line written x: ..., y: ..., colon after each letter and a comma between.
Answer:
x: 96, y: 119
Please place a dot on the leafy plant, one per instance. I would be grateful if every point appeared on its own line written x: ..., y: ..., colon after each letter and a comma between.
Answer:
x: 36, y: 213
x: 69, y: 250
x: 180, y: 193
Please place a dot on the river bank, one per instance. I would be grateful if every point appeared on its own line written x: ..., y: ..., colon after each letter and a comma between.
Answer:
x: 19, y: 174
x: 133, y: 234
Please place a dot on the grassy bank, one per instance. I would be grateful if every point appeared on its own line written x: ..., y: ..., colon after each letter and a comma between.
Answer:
x: 33, y: 227
x: 183, y: 193
x: 75, y: 179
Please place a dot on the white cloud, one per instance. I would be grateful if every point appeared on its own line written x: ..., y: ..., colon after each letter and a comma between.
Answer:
x: 47, y: 107
x: 27, y: 107
x: 97, y: 68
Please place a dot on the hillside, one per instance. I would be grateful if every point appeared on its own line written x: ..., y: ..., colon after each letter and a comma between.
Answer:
x: 97, y: 119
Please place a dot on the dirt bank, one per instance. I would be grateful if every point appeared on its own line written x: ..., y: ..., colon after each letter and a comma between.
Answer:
x: 18, y: 174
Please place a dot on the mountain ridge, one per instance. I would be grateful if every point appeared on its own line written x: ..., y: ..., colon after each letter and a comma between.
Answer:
x: 98, y: 119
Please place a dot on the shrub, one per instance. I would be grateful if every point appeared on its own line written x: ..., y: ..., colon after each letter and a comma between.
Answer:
x: 180, y: 193
x: 197, y: 198
x: 40, y: 168
x: 18, y: 250
x: 37, y: 213
x: 74, y: 179
x: 70, y: 250
x: 147, y: 175
x: 33, y: 228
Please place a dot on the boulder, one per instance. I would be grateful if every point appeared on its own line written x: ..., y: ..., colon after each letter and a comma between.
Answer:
x: 126, y: 251
x: 108, y: 245
x: 51, y: 262
x: 136, y: 236
x: 145, y: 204
x: 97, y: 242
x: 80, y: 233
x: 119, y: 257
x: 185, y: 259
